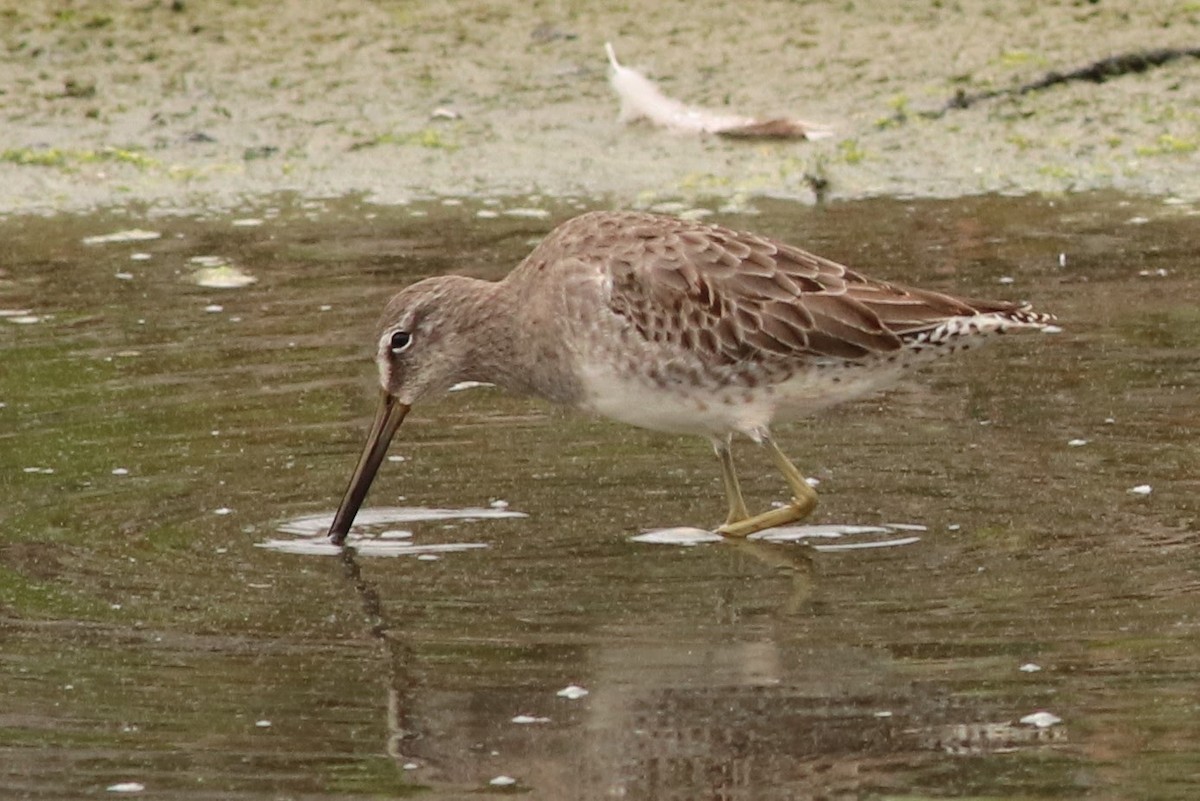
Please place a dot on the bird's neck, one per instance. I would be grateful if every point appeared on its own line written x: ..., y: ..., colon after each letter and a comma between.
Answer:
x: 488, y: 328
x: 509, y: 346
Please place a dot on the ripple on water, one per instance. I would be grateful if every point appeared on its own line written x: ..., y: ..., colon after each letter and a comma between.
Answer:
x: 309, y: 531
x: 876, y: 536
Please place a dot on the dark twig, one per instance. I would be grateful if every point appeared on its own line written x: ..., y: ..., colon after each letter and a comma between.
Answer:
x: 1095, y: 72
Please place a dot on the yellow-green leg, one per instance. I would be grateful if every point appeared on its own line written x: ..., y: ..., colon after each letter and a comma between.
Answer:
x: 804, y: 498
x: 733, y: 490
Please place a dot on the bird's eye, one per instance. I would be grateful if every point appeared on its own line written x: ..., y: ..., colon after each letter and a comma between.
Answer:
x: 400, y: 341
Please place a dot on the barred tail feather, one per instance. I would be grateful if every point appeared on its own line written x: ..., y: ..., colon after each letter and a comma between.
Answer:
x: 960, y: 331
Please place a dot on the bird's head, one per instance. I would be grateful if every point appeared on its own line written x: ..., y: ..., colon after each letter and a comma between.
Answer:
x: 422, y: 339
x: 421, y: 350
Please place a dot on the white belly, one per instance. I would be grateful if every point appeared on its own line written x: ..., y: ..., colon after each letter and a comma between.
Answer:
x: 716, y: 411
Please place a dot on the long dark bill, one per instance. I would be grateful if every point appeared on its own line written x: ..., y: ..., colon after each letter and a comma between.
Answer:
x: 388, y: 418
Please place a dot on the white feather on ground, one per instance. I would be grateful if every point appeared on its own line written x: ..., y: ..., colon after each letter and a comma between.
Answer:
x: 641, y: 99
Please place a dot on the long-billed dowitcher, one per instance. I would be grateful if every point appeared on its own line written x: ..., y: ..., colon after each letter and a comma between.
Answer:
x: 670, y: 325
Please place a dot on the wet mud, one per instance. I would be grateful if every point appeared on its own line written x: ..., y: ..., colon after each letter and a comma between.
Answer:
x: 193, y: 106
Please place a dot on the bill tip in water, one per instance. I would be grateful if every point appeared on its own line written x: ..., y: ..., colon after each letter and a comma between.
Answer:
x: 388, y: 417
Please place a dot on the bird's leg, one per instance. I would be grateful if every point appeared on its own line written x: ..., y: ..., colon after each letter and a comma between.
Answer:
x: 733, y: 491
x: 804, y: 497
x: 804, y: 500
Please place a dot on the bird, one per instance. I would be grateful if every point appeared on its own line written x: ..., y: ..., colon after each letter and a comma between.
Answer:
x: 673, y: 325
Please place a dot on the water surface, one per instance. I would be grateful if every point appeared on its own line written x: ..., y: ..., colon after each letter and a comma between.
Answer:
x: 155, y: 433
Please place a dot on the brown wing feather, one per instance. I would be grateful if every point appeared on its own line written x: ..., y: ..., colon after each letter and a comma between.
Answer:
x: 733, y: 296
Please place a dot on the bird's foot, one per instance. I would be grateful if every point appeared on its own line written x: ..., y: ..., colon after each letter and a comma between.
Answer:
x: 794, y: 512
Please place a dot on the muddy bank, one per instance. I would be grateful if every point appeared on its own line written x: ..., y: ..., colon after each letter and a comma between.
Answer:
x: 186, y: 105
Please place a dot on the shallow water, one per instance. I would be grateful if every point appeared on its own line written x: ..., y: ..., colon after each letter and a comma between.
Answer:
x: 155, y: 433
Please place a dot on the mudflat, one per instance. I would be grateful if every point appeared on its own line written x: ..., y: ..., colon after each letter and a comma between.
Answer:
x: 184, y: 105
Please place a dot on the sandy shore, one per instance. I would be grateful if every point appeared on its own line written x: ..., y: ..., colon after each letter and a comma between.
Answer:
x: 192, y: 105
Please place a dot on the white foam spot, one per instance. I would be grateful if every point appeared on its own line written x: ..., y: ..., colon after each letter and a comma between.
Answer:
x: 1041, y: 719
x: 572, y: 692
x: 503, y: 781
x: 1029, y: 667
x: 263, y: 724
x: 223, y: 276
x: 1076, y: 443
x: 1140, y: 489
x: 246, y: 222
x: 395, y: 534
x: 527, y: 719
x: 130, y: 235
x: 677, y: 536
x: 126, y: 787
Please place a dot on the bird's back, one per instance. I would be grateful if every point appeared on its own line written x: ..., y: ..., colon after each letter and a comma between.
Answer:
x: 687, y: 318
